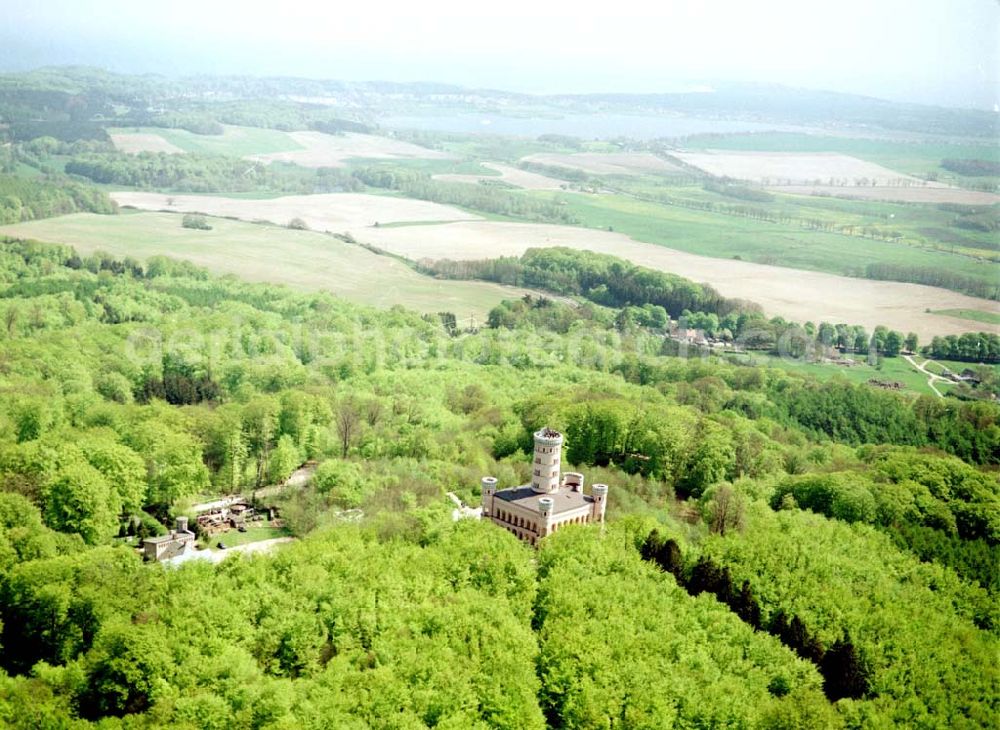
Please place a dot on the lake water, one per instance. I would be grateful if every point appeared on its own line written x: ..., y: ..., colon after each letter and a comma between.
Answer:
x: 584, y: 126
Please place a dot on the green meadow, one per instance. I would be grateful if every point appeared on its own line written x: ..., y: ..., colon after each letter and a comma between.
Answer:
x: 890, y: 369
x: 725, y: 236
x: 974, y: 314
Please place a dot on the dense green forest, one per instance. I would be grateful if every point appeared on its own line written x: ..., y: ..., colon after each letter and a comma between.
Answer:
x: 780, y: 551
x: 25, y: 199
x: 831, y: 558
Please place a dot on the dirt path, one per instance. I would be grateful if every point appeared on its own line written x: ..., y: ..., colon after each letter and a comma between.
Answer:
x: 299, y: 478
x: 931, y: 377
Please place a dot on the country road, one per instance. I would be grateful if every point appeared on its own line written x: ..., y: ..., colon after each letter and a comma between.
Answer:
x: 299, y: 478
x: 217, y: 556
x: 931, y: 377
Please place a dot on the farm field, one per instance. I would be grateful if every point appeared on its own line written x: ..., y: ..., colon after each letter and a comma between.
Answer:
x: 890, y: 229
x: 234, y: 141
x: 606, y: 163
x: 316, y: 149
x: 334, y: 212
x: 794, y: 294
x: 510, y: 175
x: 309, y: 149
x: 722, y: 236
x: 301, y: 259
x: 647, y: 224
x: 905, y: 194
x: 791, y: 168
x: 906, y: 156
x: 134, y: 143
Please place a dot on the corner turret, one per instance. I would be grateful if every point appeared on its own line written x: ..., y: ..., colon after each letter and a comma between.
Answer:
x: 488, y: 488
x: 600, y: 494
x: 545, y: 505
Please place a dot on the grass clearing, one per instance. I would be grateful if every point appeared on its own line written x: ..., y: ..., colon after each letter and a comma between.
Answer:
x: 256, y: 533
x: 976, y: 315
x: 304, y: 260
x: 892, y: 369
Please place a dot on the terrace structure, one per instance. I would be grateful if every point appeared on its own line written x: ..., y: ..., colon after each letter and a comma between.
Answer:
x: 550, y: 502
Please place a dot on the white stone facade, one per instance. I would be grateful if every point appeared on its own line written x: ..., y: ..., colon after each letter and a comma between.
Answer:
x: 550, y: 502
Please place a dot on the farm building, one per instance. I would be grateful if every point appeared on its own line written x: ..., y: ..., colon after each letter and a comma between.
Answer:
x: 223, y: 518
x: 170, y: 545
x: 550, y: 502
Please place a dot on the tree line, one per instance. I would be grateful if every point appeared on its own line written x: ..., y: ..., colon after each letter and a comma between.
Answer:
x: 976, y: 347
x: 193, y: 173
x: 487, y: 199
x: 933, y: 277
x: 600, y: 278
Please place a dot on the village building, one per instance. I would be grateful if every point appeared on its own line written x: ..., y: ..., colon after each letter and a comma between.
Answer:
x: 170, y: 545
x: 550, y: 502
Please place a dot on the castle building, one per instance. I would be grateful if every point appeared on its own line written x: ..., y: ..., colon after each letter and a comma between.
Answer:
x: 551, y: 501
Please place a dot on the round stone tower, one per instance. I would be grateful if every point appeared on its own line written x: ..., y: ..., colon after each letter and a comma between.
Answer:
x: 488, y: 488
x: 545, y: 470
x: 600, y: 494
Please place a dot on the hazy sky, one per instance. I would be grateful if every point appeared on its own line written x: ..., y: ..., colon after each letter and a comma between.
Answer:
x: 933, y: 51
